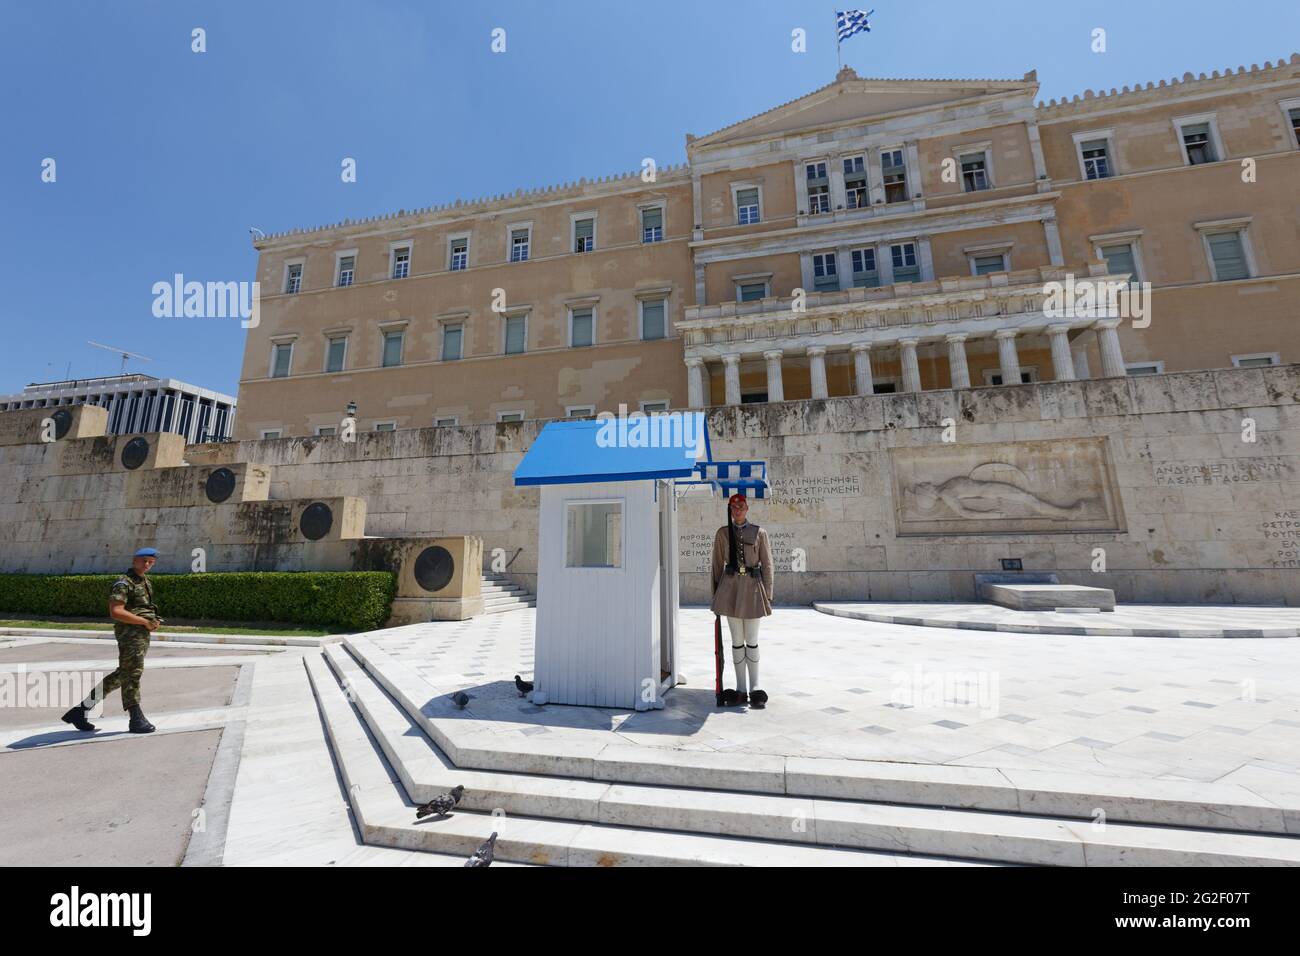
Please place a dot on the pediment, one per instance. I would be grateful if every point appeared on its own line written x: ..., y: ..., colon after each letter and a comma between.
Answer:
x: 853, y: 99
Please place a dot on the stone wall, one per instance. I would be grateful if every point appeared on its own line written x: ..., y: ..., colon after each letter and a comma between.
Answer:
x: 1159, y: 472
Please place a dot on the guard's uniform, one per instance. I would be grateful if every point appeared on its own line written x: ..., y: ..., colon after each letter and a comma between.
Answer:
x: 136, y: 593
x: 743, y: 596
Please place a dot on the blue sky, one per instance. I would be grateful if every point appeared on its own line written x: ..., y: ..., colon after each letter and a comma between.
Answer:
x: 167, y: 157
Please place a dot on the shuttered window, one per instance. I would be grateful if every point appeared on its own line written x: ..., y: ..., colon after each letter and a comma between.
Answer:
x: 653, y: 319
x: 581, y: 331
x: 1229, y: 256
x: 515, y: 334
x: 393, y: 348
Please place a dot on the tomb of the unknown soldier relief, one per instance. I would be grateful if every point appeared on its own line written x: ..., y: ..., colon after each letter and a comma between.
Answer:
x: 901, y: 469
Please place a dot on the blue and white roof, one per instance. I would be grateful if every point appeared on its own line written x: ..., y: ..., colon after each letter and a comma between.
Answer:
x: 610, y: 448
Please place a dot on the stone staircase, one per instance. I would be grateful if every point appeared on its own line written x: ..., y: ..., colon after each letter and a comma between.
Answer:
x: 501, y: 595
x: 635, y: 805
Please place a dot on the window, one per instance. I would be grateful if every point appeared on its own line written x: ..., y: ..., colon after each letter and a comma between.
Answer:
x: 519, y: 245
x: 452, y: 341
x: 1293, y: 116
x: 974, y: 172
x: 510, y: 416
x: 753, y: 397
x: 281, y: 359
x: 1144, y: 368
x: 747, y: 206
x: 580, y: 411
x: 884, y: 388
x: 825, y: 276
x: 983, y: 265
x: 654, y: 318
x: 401, y: 262
x: 293, y: 278
x: 1227, y: 256
x: 446, y: 422
x: 893, y: 172
x: 1120, y: 258
x: 652, y: 225
x: 393, y: 348
x: 347, y: 268
x: 819, y: 188
x: 865, y: 271
x: 326, y: 431
x: 516, y: 334
x: 1198, y: 142
x: 753, y: 291
x: 581, y: 330
x: 584, y: 235
x: 906, y: 268
x: 994, y: 377
x: 594, y: 534
x: 855, y: 183
x: 1095, y: 154
x: 459, y: 254
x: 1257, y: 360
x: 654, y: 408
x: 335, y: 353
x: 269, y: 434
x: 385, y: 426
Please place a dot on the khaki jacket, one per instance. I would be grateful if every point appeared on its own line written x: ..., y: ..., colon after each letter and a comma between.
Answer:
x: 748, y: 595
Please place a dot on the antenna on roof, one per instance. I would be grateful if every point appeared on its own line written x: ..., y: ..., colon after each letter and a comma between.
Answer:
x: 126, y: 356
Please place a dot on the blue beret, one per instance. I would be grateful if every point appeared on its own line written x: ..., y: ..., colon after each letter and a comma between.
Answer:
x: 147, y: 553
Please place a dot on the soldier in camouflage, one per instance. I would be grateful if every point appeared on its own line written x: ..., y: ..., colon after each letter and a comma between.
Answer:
x: 135, y: 617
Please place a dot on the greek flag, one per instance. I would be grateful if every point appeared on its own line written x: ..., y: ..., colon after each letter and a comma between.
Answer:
x: 849, y: 22
x: 747, y: 477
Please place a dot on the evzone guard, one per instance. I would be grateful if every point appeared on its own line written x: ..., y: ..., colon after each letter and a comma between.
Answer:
x: 742, y: 593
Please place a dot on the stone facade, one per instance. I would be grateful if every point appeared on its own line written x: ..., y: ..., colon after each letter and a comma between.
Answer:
x: 872, y: 236
x: 1189, y: 484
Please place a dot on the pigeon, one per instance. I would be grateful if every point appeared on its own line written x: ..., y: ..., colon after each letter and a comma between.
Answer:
x: 483, y: 855
x: 522, y: 685
x: 440, y: 805
x: 460, y: 699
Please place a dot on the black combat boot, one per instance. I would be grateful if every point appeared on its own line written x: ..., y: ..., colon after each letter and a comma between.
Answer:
x: 77, y: 717
x: 139, y: 723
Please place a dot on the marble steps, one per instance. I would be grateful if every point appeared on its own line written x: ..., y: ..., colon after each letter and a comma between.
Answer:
x: 385, y: 816
x: 500, y: 594
x: 930, y: 833
x: 468, y: 745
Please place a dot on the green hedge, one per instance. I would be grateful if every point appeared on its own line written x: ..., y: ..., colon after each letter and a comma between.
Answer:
x: 355, y: 600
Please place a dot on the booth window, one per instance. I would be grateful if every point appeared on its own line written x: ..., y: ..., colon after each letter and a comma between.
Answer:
x: 594, y: 534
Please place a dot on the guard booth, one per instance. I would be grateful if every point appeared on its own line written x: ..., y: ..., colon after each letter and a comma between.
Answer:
x: 607, y: 554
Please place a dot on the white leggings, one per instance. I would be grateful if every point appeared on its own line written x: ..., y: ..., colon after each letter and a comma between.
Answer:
x: 744, y: 651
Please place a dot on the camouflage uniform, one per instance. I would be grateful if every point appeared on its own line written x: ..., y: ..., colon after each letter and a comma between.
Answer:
x: 136, y: 592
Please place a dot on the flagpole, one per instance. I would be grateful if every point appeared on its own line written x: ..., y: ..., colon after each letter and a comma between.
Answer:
x: 839, y: 49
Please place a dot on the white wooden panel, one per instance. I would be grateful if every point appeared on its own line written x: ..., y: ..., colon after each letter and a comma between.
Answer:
x: 595, y: 625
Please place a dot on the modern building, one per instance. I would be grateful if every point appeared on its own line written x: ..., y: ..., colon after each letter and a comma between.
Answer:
x: 874, y: 235
x: 138, y: 403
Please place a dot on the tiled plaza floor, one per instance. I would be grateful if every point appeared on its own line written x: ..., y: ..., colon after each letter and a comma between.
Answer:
x: 1189, y: 709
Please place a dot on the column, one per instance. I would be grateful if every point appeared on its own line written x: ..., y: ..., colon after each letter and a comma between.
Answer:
x: 775, y: 387
x: 1062, y: 363
x: 1112, y: 357
x: 731, y: 372
x: 863, y: 382
x: 695, y: 383
x: 1081, y: 369
x: 958, y: 371
x: 817, y: 369
x: 1008, y: 359
x: 911, y: 370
